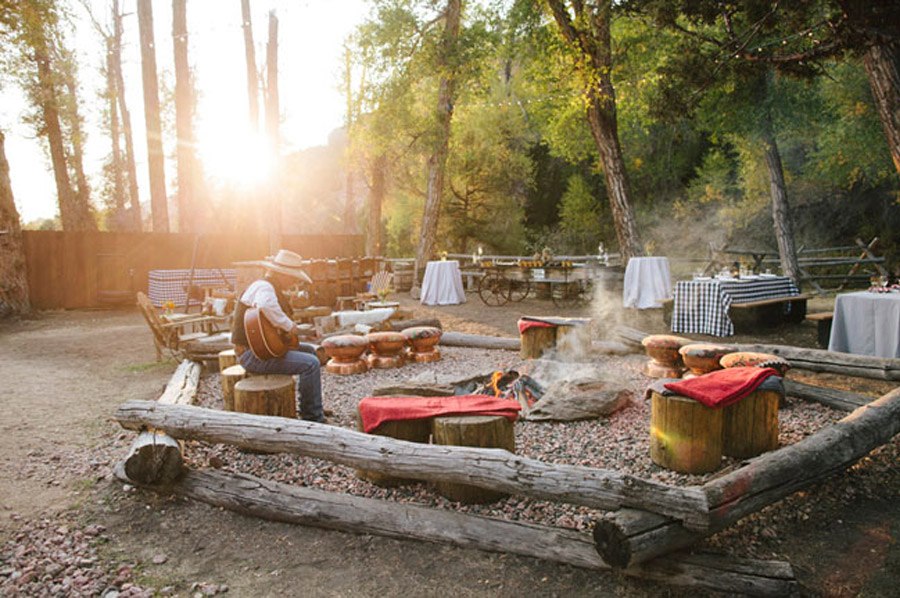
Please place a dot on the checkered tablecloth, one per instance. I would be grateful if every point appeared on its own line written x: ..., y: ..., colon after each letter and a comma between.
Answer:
x: 171, y: 285
x: 701, y: 305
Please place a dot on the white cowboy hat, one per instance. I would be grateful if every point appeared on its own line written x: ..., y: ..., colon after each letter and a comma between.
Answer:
x: 286, y: 262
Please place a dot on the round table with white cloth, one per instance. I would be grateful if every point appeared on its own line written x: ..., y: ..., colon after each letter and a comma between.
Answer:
x: 866, y: 323
x: 647, y: 282
x: 442, y: 284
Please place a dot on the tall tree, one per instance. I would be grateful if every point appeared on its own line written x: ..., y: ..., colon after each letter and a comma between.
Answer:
x: 131, y: 169
x: 377, y: 191
x: 73, y: 122
x: 188, y: 213
x: 349, y: 199
x: 155, y: 156
x: 272, y: 108
x: 250, y: 60
x: 437, y: 161
x: 585, y: 27
x: 13, y: 280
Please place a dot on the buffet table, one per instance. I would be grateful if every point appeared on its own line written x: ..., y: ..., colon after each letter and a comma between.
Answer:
x: 442, y: 284
x: 171, y: 285
x: 701, y: 305
x: 866, y: 323
x: 647, y: 282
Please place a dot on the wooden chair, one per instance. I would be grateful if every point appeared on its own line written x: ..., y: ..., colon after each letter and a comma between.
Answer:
x: 381, y: 281
x: 173, y: 336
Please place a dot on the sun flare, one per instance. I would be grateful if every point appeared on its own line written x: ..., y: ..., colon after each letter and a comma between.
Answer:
x: 240, y: 157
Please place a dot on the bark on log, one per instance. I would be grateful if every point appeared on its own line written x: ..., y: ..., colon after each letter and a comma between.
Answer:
x: 401, y: 325
x: 597, y: 488
x: 270, y: 395
x: 750, y: 426
x: 411, y: 430
x: 815, y: 360
x: 306, y: 506
x: 459, y: 339
x: 836, y: 399
x: 484, y: 431
x: 628, y: 536
x: 182, y: 386
x: 685, y: 435
x: 231, y: 376
x: 414, y: 390
x: 536, y: 340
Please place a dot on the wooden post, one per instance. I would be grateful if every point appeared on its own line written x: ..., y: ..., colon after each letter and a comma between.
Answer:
x: 227, y: 358
x: 750, y: 426
x: 231, y: 376
x: 536, y: 340
x: 266, y: 395
x: 485, y: 431
x: 685, y: 435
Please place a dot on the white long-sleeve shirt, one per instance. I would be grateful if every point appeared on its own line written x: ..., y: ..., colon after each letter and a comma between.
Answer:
x: 261, y: 294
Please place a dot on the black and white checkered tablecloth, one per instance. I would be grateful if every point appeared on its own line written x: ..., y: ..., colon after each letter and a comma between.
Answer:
x: 171, y: 285
x: 701, y: 305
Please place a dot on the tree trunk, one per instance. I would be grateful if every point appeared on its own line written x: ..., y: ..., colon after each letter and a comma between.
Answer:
x: 594, y: 44
x: 349, y: 203
x: 376, y: 200
x: 250, y: 59
x: 83, y: 189
x: 13, y: 280
x: 117, y: 174
x: 781, y: 213
x: 155, y: 157
x: 137, y: 221
x: 882, y: 64
x: 272, y: 122
x: 68, y: 212
x: 184, y: 109
x: 437, y: 162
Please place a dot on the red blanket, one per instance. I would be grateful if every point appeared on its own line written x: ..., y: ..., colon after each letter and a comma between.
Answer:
x: 722, y: 387
x: 526, y: 324
x: 374, y: 411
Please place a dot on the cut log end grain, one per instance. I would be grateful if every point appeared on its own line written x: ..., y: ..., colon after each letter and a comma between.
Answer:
x: 154, y: 459
x: 611, y: 544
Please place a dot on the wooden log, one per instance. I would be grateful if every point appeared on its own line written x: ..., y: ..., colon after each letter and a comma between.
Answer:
x: 836, y: 399
x: 411, y: 430
x: 629, y: 536
x: 414, y: 390
x: 490, y: 468
x: 229, y: 377
x: 815, y: 360
x: 227, y: 358
x: 536, y: 340
x: 750, y: 426
x: 401, y: 325
x: 266, y: 395
x: 685, y: 435
x: 459, y: 339
x: 286, y: 503
x: 485, y: 431
x: 154, y: 458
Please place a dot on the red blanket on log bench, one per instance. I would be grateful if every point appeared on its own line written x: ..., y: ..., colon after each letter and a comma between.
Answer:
x: 374, y: 411
x: 722, y: 387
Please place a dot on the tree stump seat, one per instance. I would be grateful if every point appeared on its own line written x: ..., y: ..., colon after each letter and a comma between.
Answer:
x: 750, y: 426
x: 229, y: 377
x: 702, y: 358
x: 386, y: 349
x: 411, y: 430
x: 663, y: 351
x: 227, y: 358
x: 345, y: 354
x: 266, y: 395
x: 422, y: 341
x: 685, y: 435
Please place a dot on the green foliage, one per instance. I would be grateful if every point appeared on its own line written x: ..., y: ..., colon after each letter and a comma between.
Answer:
x: 579, y: 214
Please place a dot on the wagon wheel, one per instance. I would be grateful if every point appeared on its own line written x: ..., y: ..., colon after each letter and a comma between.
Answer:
x: 570, y: 294
x: 493, y: 288
x: 519, y: 289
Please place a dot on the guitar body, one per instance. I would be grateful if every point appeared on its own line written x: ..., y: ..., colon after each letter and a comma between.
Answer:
x: 266, y: 340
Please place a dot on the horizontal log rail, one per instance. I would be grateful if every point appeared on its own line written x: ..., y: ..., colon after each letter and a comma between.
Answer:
x: 276, y: 501
x: 486, y: 468
x: 629, y: 536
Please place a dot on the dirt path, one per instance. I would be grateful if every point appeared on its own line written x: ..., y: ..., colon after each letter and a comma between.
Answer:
x: 64, y: 373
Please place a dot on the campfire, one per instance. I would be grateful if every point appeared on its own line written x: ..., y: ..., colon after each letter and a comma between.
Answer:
x: 513, y: 386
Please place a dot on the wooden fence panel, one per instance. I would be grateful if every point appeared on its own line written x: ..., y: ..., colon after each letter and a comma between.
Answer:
x: 72, y: 270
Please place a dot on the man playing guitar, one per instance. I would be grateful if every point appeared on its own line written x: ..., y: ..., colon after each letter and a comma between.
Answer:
x: 282, y: 271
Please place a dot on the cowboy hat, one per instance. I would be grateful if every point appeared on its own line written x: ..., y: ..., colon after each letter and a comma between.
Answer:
x: 286, y: 262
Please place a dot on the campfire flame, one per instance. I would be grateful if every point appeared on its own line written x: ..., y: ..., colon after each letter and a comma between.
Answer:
x: 495, y: 383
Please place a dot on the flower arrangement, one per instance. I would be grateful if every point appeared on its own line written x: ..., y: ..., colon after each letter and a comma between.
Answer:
x: 169, y: 307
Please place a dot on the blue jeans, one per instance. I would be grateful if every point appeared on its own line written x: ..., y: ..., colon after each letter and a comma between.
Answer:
x: 294, y: 363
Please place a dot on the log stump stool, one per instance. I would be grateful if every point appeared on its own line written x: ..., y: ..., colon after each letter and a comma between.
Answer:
x: 760, y: 360
x: 702, y: 358
x: 685, y: 435
x: 422, y: 341
x: 386, y: 349
x: 231, y: 376
x: 750, y: 426
x: 345, y: 353
x: 665, y: 360
x: 227, y: 358
x: 411, y: 430
x: 266, y: 395
x: 484, y: 431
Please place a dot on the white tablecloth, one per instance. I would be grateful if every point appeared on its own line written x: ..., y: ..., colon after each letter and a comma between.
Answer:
x: 171, y: 285
x: 866, y: 324
x: 442, y: 284
x: 647, y: 282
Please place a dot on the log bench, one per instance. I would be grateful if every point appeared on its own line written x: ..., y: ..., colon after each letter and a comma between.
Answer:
x: 747, y: 317
x: 823, y: 321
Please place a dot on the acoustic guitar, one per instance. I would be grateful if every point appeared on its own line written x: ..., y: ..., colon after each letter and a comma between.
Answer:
x: 265, y: 339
